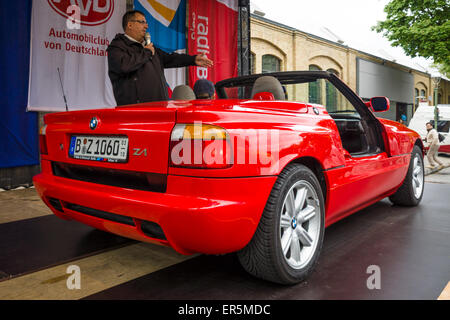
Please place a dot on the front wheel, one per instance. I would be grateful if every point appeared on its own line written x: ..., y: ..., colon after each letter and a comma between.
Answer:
x: 287, y: 243
x: 411, y: 191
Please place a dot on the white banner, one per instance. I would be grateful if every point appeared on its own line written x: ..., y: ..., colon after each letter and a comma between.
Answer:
x: 72, y: 36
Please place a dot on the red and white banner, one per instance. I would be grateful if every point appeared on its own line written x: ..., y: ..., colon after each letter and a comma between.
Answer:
x: 213, y: 27
x: 72, y: 36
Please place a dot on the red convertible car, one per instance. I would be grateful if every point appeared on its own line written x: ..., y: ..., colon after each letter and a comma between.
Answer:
x: 260, y: 171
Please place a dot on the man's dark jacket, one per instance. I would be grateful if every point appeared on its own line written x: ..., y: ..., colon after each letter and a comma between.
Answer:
x: 136, y: 74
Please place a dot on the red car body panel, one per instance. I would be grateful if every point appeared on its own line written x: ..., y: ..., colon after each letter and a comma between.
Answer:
x: 362, y: 182
x: 216, y: 211
x: 400, y: 137
x: 154, y: 130
x: 197, y: 214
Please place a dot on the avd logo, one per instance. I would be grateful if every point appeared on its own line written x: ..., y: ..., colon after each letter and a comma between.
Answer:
x: 92, y: 12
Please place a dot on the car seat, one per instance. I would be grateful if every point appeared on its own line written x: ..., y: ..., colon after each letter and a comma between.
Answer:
x: 183, y: 92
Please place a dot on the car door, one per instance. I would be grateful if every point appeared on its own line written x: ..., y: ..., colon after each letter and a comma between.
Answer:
x: 368, y: 173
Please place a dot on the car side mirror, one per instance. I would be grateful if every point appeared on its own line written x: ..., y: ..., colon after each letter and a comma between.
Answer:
x: 378, y: 104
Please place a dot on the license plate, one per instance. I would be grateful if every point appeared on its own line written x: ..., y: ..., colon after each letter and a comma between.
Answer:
x: 99, y: 148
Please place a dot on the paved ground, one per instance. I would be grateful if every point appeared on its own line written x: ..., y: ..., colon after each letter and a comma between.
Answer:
x: 438, y: 175
x: 410, y: 246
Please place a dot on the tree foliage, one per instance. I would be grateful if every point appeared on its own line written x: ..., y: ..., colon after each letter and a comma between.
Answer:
x: 420, y: 27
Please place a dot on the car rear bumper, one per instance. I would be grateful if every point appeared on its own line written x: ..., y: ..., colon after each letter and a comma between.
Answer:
x: 206, y: 215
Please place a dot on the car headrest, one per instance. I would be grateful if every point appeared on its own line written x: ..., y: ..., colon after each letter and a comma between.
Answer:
x: 264, y: 96
x: 183, y: 92
x: 268, y: 84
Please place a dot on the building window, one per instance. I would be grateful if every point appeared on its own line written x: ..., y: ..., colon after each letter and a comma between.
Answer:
x: 423, y: 94
x: 439, y: 98
x: 270, y: 63
x: 331, y: 93
x: 314, y: 89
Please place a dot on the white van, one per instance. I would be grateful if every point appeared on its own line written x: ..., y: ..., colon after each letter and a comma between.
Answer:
x: 424, y: 114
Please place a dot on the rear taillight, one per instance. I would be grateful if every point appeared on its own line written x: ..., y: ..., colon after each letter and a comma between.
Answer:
x: 199, y: 146
x: 43, y: 140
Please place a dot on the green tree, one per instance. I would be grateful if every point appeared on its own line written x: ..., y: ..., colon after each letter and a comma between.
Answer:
x: 420, y: 27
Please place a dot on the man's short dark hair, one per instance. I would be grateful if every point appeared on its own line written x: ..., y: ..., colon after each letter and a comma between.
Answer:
x: 129, y: 15
x: 204, y: 89
x: 429, y: 123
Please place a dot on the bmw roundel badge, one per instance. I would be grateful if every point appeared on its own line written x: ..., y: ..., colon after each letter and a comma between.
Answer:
x: 93, y: 123
x: 294, y: 223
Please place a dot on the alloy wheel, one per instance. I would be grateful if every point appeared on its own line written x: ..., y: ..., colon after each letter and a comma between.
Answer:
x: 417, y: 178
x: 300, y: 224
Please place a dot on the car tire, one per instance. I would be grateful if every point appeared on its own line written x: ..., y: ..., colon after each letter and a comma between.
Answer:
x: 411, y: 191
x: 286, y: 246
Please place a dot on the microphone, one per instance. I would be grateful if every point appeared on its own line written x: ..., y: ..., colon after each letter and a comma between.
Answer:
x: 147, y: 39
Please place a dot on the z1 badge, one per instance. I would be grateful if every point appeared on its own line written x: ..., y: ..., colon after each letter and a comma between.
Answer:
x: 140, y: 152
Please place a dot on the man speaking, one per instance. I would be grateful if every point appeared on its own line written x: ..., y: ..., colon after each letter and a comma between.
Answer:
x: 136, y: 67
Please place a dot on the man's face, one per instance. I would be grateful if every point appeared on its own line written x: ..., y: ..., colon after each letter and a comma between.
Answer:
x: 429, y: 127
x: 137, y: 27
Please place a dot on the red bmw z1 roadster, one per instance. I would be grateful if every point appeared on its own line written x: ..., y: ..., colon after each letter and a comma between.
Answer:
x: 260, y: 171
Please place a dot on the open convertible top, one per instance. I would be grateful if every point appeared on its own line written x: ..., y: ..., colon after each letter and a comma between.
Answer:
x: 285, y: 78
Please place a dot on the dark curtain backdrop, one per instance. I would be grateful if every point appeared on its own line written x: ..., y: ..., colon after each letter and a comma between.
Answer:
x: 18, y: 129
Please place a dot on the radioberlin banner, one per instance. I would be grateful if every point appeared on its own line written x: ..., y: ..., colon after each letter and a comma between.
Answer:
x: 69, y: 39
x: 213, y: 31
x: 167, y: 27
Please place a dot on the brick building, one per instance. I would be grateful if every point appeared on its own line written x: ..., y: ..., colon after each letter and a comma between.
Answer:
x: 277, y: 47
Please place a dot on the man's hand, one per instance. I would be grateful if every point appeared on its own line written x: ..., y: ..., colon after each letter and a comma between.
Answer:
x: 202, y: 61
x: 151, y: 48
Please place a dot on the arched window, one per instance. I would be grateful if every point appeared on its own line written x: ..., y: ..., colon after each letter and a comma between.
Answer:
x: 331, y: 91
x: 315, y: 90
x: 423, y: 93
x: 270, y: 63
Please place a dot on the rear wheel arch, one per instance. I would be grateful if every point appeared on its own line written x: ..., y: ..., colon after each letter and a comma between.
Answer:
x: 281, y: 250
x: 315, y: 166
